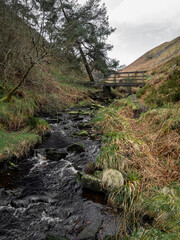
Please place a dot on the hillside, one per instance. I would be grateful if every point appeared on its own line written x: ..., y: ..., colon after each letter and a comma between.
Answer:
x: 157, y: 56
x: 43, y: 83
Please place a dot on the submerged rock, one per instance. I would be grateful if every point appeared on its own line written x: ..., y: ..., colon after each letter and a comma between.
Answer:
x: 112, y: 179
x: 55, y: 155
x: 76, y: 147
x: 92, y: 183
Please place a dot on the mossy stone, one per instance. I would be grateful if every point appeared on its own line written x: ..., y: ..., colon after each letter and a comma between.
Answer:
x: 55, y: 155
x: 82, y: 133
x: 76, y: 147
x: 91, y: 182
x: 98, y: 174
x: 112, y: 179
x: 74, y: 112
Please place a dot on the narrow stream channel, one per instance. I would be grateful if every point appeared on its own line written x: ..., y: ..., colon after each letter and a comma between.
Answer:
x: 44, y: 197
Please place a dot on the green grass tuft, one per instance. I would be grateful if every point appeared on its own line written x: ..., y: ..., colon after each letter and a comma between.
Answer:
x: 16, y: 143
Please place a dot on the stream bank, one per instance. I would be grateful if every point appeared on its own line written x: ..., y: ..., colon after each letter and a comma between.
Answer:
x: 43, y: 199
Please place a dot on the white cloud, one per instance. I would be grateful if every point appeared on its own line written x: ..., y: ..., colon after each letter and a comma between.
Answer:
x: 146, y: 11
x: 141, y: 25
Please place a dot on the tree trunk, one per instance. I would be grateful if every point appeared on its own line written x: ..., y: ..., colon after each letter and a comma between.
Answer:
x: 8, y: 96
x: 91, y: 78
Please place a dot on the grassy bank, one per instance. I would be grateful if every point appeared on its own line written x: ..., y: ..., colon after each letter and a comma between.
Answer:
x: 146, y: 151
x: 47, y: 90
x: 144, y: 147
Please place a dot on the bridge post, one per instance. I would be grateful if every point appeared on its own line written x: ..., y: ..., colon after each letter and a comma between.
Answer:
x: 129, y: 87
x: 115, y: 79
x: 107, y: 90
x: 143, y: 77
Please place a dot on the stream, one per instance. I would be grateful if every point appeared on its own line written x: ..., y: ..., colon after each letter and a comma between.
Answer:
x: 43, y: 199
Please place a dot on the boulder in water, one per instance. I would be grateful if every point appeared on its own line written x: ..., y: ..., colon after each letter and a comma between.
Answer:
x: 76, y: 147
x: 55, y: 155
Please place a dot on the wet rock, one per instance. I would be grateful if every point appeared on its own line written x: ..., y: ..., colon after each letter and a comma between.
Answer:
x: 85, y: 125
x: 55, y: 237
x: 82, y: 133
x: 47, y: 134
x: 85, y: 113
x: 59, y: 119
x: 93, y: 136
x: 55, y: 155
x: 112, y: 179
x: 59, y: 114
x: 74, y: 112
x: 76, y: 147
x: 92, y: 183
x: 78, y: 118
x: 93, y: 225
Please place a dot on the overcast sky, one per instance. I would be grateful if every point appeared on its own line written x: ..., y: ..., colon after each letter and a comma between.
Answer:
x: 141, y: 25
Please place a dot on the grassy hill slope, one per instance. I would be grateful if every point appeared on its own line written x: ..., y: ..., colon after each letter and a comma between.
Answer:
x: 156, y: 56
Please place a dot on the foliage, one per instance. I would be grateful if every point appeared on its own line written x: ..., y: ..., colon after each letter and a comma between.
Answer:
x: 14, y: 114
x: 81, y: 31
x: 164, y: 87
x: 142, y: 91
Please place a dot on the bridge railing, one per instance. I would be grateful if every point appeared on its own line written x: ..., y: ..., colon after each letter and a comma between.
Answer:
x: 136, y: 78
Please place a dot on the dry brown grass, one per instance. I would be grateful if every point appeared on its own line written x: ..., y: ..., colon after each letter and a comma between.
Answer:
x: 159, y: 152
x: 149, y: 146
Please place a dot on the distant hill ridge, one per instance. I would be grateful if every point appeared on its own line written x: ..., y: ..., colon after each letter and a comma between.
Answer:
x: 156, y: 56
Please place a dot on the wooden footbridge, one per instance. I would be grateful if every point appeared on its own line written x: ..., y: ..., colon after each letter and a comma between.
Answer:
x: 120, y: 79
x: 126, y: 79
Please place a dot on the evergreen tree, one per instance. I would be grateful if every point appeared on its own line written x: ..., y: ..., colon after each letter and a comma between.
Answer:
x: 82, y: 30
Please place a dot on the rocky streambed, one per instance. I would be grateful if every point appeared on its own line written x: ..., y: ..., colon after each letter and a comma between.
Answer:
x: 43, y: 199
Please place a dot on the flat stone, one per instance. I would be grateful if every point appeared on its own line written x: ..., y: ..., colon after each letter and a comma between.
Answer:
x: 94, y: 220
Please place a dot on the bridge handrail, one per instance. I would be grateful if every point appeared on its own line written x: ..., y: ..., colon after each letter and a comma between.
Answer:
x: 121, y: 78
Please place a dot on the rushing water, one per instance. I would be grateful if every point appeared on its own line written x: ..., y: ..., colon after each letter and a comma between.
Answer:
x: 44, y: 196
